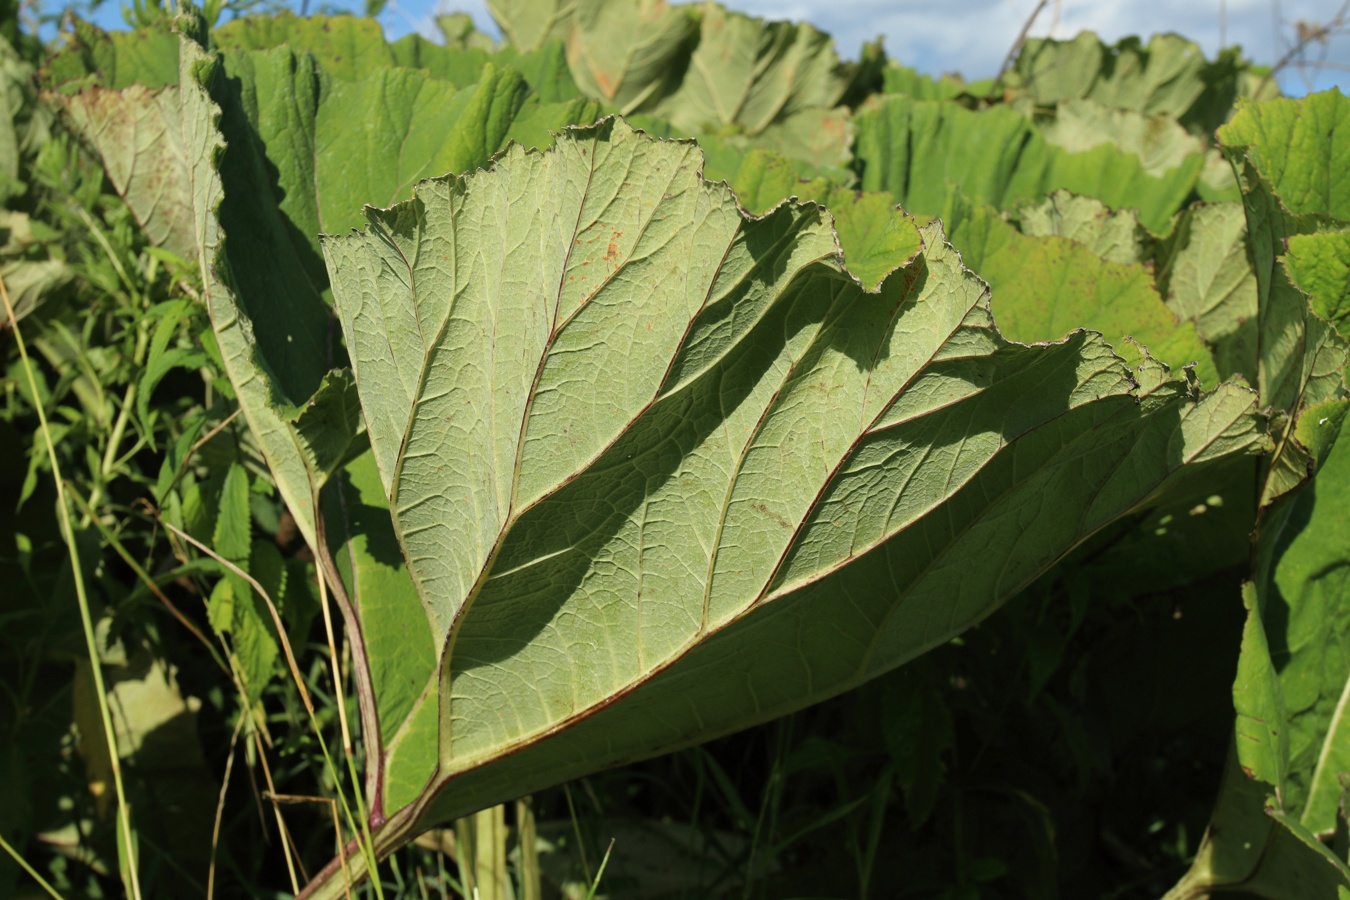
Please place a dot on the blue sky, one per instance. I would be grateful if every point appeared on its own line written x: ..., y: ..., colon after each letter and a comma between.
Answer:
x: 972, y: 36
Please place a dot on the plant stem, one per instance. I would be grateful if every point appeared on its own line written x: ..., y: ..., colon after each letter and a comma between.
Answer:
x: 23, y: 863
x: 129, y: 875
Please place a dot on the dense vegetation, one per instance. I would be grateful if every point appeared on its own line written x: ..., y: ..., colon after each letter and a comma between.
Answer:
x: 426, y: 463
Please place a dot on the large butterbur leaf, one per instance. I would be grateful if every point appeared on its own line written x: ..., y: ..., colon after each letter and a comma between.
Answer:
x: 1160, y: 143
x: 1045, y: 284
x: 1288, y: 160
x: 1070, y: 261
x: 661, y: 470
x: 998, y: 156
x: 291, y: 168
x: 1168, y: 76
x: 1284, y: 786
x: 350, y: 49
x: 276, y: 354
x: 747, y: 73
x: 295, y: 168
x: 628, y: 54
x: 1291, y: 760
x: 778, y: 81
x: 702, y: 69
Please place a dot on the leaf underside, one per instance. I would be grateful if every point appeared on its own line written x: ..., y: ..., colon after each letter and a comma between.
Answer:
x: 661, y: 469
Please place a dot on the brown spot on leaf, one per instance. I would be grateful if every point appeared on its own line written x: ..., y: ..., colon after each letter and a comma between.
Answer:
x: 762, y: 508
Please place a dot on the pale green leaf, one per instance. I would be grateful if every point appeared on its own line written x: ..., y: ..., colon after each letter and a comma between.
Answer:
x: 1251, y: 849
x: 1283, y: 146
x: 1204, y: 272
x: 1319, y: 428
x: 460, y: 66
x: 819, y: 136
x: 412, y: 127
x: 1298, y: 147
x: 460, y: 32
x: 117, y: 59
x: 536, y: 123
x: 875, y: 236
x: 1114, y: 235
x: 898, y: 79
x: 30, y: 279
x: 137, y: 131
x: 1168, y: 76
x: 1044, y: 287
x: 279, y: 118
x: 762, y: 179
x: 1262, y: 740
x: 1292, y: 742
x: 1319, y: 266
x: 274, y: 352
x: 529, y: 24
x: 775, y: 81
x: 1160, y: 142
x: 347, y: 47
x: 545, y: 69
x: 917, y: 148
x: 747, y: 73
x: 1306, y: 611
x: 627, y: 54
x: 329, y: 427
x: 393, y: 628
x: 661, y: 470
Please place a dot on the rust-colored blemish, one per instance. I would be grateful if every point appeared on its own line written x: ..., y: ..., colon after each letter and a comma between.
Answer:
x: 606, y: 85
x: 760, y: 507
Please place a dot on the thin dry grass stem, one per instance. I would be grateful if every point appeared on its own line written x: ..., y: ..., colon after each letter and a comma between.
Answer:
x: 235, y: 677
x: 288, y: 847
x: 340, y: 697
x: 576, y: 829
x: 358, y: 825
x: 527, y: 837
x: 220, y: 809
x: 337, y: 827
x: 339, y: 692
x: 595, y: 885
x: 271, y: 608
x: 197, y: 445
x: 146, y: 579
x: 33, y: 873
x: 1308, y: 33
x: 1021, y: 39
x: 129, y: 874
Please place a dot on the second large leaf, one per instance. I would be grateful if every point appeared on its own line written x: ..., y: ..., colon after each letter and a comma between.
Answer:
x: 661, y: 470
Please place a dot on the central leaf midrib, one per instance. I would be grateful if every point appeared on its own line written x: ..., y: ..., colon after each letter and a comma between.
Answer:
x: 512, y: 513
x: 663, y: 396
